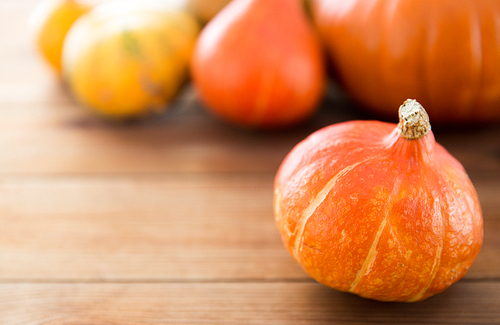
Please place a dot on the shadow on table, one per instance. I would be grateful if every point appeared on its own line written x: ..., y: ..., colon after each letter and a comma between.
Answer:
x: 467, y: 302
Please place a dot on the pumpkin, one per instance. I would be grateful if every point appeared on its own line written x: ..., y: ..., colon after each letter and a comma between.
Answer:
x: 259, y: 64
x: 378, y: 209
x: 128, y: 62
x: 445, y: 53
x: 49, y: 23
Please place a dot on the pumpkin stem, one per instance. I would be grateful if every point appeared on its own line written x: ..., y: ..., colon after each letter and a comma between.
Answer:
x: 413, y: 120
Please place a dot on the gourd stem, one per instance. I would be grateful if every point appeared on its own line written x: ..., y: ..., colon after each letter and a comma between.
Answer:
x: 413, y: 120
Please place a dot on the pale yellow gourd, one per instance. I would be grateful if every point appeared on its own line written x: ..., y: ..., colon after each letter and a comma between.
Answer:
x: 128, y: 63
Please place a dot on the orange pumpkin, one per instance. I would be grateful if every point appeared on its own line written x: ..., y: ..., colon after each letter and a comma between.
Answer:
x: 259, y: 64
x: 49, y: 23
x: 125, y: 60
x: 445, y: 53
x: 378, y: 209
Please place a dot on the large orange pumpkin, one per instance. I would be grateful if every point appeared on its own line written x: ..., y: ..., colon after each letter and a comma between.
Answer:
x: 446, y: 53
x: 379, y: 210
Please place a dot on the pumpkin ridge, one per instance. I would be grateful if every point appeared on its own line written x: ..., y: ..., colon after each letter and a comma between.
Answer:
x: 437, y: 259
x: 315, y: 203
x: 372, y: 252
x: 370, y: 257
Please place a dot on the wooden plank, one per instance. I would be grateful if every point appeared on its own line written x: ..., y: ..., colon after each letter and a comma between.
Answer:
x: 158, y: 227
x: 76, y: 147
x: 236, y: 303
x: 66, y: 139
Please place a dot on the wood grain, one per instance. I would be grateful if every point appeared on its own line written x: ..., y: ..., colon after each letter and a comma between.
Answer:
x: 170, y: 220
x: 236, y: 303
x: 161, y: 227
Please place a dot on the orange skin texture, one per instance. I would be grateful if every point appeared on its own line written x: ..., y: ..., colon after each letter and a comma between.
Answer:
x: 259, y: 64
x: 367, y: 211
x: 49, y: 23
x: 444, y: 53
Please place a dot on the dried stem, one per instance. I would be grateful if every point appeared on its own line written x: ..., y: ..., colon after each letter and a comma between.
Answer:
x: 413, y: 120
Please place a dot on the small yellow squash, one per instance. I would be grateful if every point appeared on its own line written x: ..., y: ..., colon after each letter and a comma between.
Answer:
x: 128, y: 63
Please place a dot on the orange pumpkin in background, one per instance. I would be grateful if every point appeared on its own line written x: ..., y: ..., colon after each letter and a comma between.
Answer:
x: 259, y: 64
x: 128, y: 60
x: 445, y: 53
x: 378, y: 209
x: 49, y: 23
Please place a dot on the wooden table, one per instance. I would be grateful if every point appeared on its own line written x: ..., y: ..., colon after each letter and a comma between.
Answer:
x: 170, y: 221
